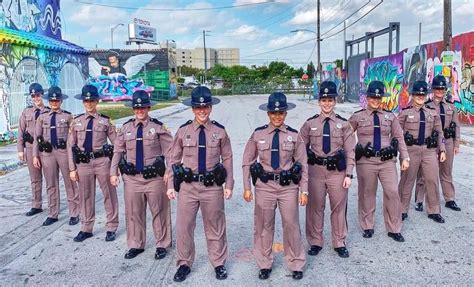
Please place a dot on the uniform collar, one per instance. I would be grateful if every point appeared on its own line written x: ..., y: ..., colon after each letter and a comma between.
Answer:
x: 282, y: 128
x: 332, y: 116
x: 144, y: 122
x: 196, y: 125
x: 57, y: 112
x: 94, y: 115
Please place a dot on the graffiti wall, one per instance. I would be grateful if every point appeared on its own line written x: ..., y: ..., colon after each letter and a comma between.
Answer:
x: 118, y: 73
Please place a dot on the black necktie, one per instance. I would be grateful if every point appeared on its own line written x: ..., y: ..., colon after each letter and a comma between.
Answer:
x: 421, y: 132
x: 88, y: 140
x: 202, y: 151
x: 377, y: 137
x: 37, y: 113
x: 276, y: 150
x: 54, y: 135
x: 441, y: 113
x: 326, y: 136
x: 139, y: 148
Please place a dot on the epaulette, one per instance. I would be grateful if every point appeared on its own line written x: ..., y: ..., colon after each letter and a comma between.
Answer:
x: 29, y: 107
x: 64, y: 111
x: 361, y: 110
x: 78, y: 116
x: 313, y: 117
x: 428, y: 107
x: 218, y: 124
x: 341, y: 118
x: 104, y: 116
x: 261, y: 128
x: 129, y: 121
x: 45, y: 112
x: 156, y: 121
x: 450, y: 101
x: 48, y: 108
x: 186, y: 123
x: 291, y: 129
x: 428, y: 101
x: 409, y: 107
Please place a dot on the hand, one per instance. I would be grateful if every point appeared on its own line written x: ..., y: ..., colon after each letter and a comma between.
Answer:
x: 347, y: 182
x: 165, y: 179
x: 227, y: 193
x: 73, y: 175
x: 456, y: 150
x: 21, y: 156
x: 107, y: 69
x: 248, y: 196
x: 303, y: 199
x: 442, y: 156
x: 36, y: 162
x: 171, y: 194
x: 114, y: 180
x: 405, y: 164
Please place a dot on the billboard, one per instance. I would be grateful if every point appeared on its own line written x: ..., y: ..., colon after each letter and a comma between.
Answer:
x: 141, y: 33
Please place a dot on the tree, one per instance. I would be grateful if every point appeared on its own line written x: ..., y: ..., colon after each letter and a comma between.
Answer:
x: 190, y: 71
x: 310, y: 70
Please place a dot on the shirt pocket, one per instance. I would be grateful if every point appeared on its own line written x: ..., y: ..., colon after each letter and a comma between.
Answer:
x: 190, y: 148
x: 80, y: 131
x: 365, y: 128
x: 214, y: 148
x: 263, y: 151
x: 315, y: 137
x: 386, y: 127
x: 337, y: 137
x: 130, y: 142
x: 288, y: 149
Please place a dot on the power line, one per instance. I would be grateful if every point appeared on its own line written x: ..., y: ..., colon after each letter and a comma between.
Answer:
x: 360, y: 8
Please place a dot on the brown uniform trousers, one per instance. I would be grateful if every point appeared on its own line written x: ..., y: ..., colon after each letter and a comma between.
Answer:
x: 27, y: 125
x: 422, y: 158
x: 322, y: 181
x: 195, y: 195
x: 271, y: 194
x: 370, y: 170
x: 446, y: 167
x: 139, y: 191
x: 55, y: 161
x: 97, y: 168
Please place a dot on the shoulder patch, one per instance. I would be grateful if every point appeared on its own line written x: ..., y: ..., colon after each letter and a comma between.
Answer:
x: 341, y: 118
x: 313, y: 117
x: 261, y: 128
x: 64, y: 111
x: 104, y: 116
x: 186, y: 123
x: 409, y: 107
x: 129, y: 121
x: 218, y: 124
x: 291, y: 129
x: 361, y: 110
x: 78, y: 116
x: 156, y: 121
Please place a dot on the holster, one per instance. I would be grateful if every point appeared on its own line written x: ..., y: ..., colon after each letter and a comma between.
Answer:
x: 61, y: 144
x: 127, y: 167
x: 359, y: 151
x: 256, y: 170
x: 43, y: 145
x: 220, y: 174
x: 178, y: 174
x: 27, y: 138
x: 160, y: 166
x: 432, y: 141
x: 450, y: 132
x: 108, y: 150
x: 79, y: 156
x: 311, y: 156
x: 296, y: 170
x: 409, y: 139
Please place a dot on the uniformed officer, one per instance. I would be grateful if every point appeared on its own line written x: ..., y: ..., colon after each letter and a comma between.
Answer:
x: 89, y: 159
x: 201, y: 156
x: 380, y: 138
x: 330, y: 143
x: 424, y: 137
x: 26, y: 133
x: 50, y: 151
x: 140, y: 151
x: 275, y: 159
x: 451, y: 130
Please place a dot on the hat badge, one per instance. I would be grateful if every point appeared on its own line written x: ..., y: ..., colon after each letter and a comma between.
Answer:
x: 376, y: 91
x: 277, y: 104
x: 139, y: 100
x: 201, y: 99
x: 88, y: 94
x: 326, y: 90
x: 421, y: 89
x: 441, y: 83
x: 54, y: 95
x: 33, y: 91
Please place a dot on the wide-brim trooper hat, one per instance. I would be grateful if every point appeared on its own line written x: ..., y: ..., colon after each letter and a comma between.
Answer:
x: 34, y: 89
x: 277, y: 103
x: 420, y: 88
x: 140, y: 99
x: 55, y: 94
x: 376, y: 89
x: 328, y: 89
x: 201, y: 96
x: 439, y: 83
x: 88, y: 93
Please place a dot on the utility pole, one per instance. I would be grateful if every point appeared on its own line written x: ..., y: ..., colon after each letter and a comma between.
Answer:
x: 319, y: 37
x: 419, y: 35
x: 344, y: 45
x: 205, y: 55
x: 447, y: 33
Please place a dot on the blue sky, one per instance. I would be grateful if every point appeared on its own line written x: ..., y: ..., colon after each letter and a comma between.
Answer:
x: 259, y: 29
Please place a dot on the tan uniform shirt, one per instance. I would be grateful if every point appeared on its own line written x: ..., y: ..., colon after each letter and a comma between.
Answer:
x: 341, y: 137
x: 218, y: 146
x: 450, y: 114
x: 102, y: 128
x: 291, y: 147
x: 27, y: 124
x: 157, y: 141
x: 43, y: 127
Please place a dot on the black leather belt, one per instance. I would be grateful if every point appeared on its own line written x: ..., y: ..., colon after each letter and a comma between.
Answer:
x: 198, y: 177
x: 273, y: 176
x: 93, y: 155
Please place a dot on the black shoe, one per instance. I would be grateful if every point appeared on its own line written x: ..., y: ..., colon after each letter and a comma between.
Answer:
x: 181, y: 274
x: 110, y: 236
x: 81, y: 236
x: 396, y: 236
x: 314, y: 250
x: 436, y: 217
x: 49, y: 221
x: 264, y: 274
x: 34, y: 211
x: 74, y: 220
x: 419, y: 206
x: 342, y: 251
x: 452, y: 205
x: 221, y: 272
x: 297, y: 275
x: 404, y: 216
x: 133, y: 252
x: 368, y: 233
x: 160, y: 253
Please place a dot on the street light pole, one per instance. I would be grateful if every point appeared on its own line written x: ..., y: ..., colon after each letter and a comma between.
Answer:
x: 112, y: 33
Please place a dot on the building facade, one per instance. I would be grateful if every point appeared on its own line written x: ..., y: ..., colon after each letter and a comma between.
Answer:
x: 195, y: 57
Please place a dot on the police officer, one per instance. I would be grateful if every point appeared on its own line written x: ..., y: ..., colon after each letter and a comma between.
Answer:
x: 451, y: 130
x: 26, y: 132
x: 423, y: 136
x: 201, y: 155
x: 89, y: 159
x: 330, y: 143
x: 380, y: 138
x: 140, y: 151
x: 275, y: 158
x: 50, y: 151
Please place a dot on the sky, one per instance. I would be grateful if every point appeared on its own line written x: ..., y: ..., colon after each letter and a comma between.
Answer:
x: 262, y: 28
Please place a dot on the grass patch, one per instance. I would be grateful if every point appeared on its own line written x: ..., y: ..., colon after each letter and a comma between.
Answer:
x: 118, y: 110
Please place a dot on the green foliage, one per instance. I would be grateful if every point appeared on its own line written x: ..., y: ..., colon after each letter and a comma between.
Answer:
x: 189, y: 71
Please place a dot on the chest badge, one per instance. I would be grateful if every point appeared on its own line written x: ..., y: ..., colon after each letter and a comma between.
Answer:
x: 387, y: 117
x: 339, y: 126
x: 63, y: 120
x: 101, y: 121
x: 290, y: 138
x: 214, y: 136
x: 151, y: 131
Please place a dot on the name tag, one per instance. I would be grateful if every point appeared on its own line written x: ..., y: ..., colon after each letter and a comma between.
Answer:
x: 261, y: 141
